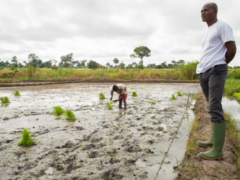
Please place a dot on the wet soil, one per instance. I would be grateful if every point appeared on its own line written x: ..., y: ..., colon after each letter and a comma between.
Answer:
x: 34, y: 82
x: 137, y: 143
x: 193, y: 167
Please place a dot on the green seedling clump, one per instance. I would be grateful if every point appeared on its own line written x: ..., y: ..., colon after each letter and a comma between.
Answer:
x: 57, y: 110
x: 173, y: 97
x: 109, y: 105
x: 70, y: 115
x: 26, y: 139
x: 237, y: 94
x: 4, y: 100
x: 153, y: 101
x: 101, y: 96
x: 179, y: 93
x: 16, y: 93
x: 134, y: 94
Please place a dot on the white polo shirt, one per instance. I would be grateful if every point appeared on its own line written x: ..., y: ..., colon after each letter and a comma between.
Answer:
x: 213, y: 46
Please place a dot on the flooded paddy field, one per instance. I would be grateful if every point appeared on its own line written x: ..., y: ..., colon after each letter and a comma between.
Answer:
x: 146, y: 141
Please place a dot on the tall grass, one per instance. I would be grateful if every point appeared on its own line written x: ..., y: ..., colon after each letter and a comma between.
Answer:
x: 26, y: 73
x: 233, y: 74
x: 188, y: 71
x: 232, y: 86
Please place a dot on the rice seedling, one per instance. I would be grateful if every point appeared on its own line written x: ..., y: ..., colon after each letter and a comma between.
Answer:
x: 153, y: 101
x: 109, y: 105
x: 101, y: 96
x: 134, y: 94
x: 179, y: 93
x: 70, y: 115
x: 4, y: 100
x: 16, y: 93
x: 173, y: 97
x: 26, y: 139
x: 57, y: 110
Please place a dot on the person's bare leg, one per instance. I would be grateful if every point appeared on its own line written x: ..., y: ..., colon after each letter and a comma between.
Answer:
x: 120, y: 104
x: 125, y: 104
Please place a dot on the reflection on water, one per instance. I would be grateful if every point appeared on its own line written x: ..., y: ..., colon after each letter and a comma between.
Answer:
x: 233, y: 108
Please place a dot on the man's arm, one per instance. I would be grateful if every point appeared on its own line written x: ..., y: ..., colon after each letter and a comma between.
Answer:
x: 111, y: 94
x: 231, y: 51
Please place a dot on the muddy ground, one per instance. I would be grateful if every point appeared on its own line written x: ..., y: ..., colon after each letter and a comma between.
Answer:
x: 146, y: 141
x: 196, y: 168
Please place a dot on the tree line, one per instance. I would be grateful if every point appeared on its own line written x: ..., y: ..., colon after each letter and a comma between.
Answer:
x: 68, y: 61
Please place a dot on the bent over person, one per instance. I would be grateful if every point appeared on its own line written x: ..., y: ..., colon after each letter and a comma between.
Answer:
x: 120, y: 89
x: 218, y: 49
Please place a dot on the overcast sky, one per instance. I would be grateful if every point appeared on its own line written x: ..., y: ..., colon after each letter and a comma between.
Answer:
x: 102, y: 30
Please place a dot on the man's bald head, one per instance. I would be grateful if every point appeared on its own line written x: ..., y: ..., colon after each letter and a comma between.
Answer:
x: 213, y: 6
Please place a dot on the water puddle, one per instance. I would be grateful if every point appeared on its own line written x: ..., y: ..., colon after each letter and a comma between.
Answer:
x: 146, y: 141
x: 233, y: 108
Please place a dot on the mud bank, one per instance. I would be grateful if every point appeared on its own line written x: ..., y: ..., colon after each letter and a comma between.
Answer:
x: 87, y: 80
x: 137, y: 143
x: 193, y: 167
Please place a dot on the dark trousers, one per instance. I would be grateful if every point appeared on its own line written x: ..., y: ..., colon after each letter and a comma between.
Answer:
x: 212, y: 82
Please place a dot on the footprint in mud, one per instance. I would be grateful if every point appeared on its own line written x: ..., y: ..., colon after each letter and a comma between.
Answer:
x: 93, y: 154
x: 111, y: 174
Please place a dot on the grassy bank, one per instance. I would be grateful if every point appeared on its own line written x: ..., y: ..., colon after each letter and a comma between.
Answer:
x: 193, y: 166
x: 184, y: 72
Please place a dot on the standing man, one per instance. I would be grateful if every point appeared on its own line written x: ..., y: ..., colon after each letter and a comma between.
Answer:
x: 218, y: 49
x: 120, y: 89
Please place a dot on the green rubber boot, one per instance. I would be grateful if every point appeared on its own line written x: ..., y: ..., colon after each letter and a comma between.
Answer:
x: 206, y: 143
x: 218, y: 142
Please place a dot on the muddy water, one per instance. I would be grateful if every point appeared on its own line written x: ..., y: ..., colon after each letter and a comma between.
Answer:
x: 233, y: 108
x: 145, y: 141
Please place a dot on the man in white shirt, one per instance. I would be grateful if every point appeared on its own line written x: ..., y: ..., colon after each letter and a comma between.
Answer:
x: 218, y: 49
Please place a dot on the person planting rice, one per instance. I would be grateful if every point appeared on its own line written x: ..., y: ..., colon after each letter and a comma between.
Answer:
x: 121, y: 89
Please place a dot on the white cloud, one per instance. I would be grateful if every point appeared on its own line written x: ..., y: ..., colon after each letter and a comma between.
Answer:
x: 104, y: 30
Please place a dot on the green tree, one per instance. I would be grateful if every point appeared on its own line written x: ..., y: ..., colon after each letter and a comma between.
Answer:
x: 92, y: 64
x: 14, y: 62
x: 108, y: 64
x: 121, y: 65
x: 66, y: 61
x: 115, y: 61
x: 34, y: 61
x: 47, y: 64
x: 141, y: 52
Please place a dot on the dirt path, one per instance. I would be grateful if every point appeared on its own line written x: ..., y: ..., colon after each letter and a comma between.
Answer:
x: 194, y: 167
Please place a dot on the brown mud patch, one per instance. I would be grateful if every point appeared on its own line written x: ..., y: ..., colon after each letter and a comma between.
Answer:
x: 193, y: 167
x: 34, y: 82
